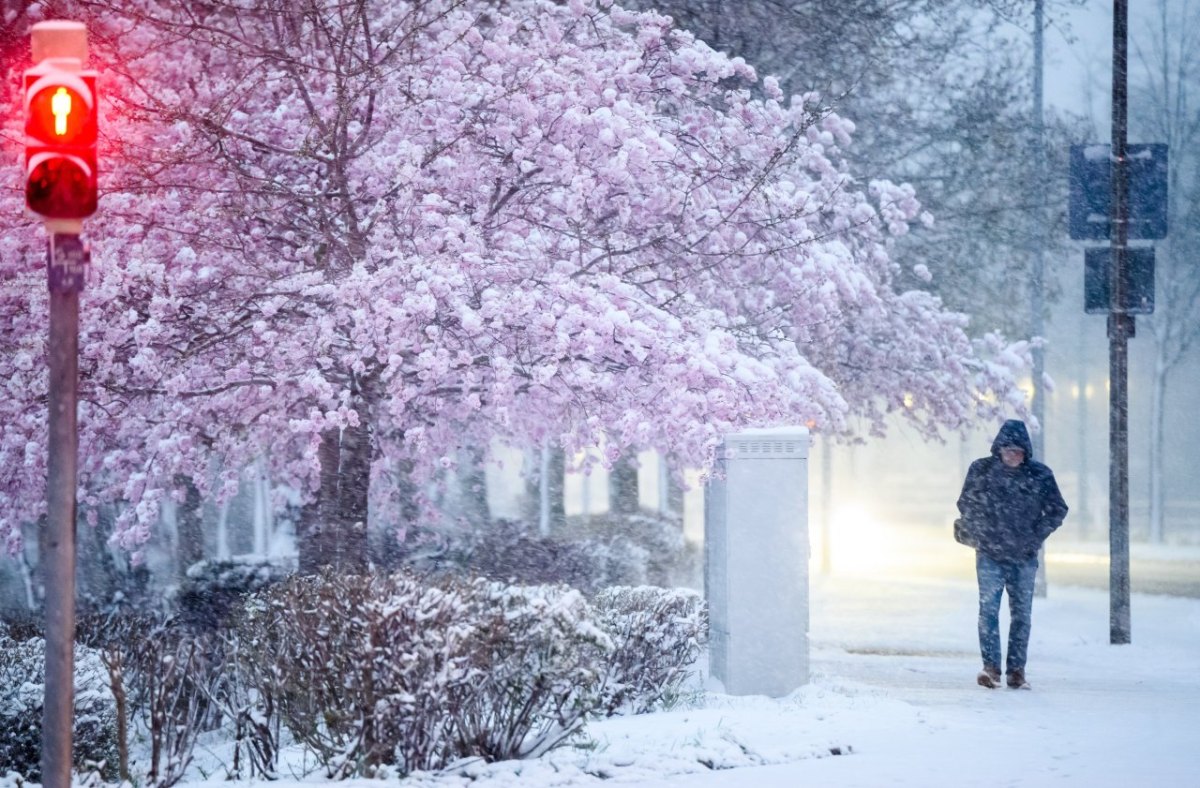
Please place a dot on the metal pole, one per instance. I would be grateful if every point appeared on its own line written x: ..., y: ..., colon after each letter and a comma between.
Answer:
x: 1120, y: 328
x: 1082, y: 427
x: 59, y: 558
x: 65, y: 270
x: 826, y: 503
x: 1038, y: 273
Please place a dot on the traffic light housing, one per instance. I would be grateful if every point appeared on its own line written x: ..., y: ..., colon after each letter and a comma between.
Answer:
x: 60, y: 139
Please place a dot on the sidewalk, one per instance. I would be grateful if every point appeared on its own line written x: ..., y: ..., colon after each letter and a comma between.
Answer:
x: 894, y: 668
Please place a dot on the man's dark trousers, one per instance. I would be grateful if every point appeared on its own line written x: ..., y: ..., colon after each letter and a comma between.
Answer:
x: 1017, y: 577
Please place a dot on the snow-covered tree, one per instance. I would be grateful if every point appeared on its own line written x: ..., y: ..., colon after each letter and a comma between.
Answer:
x: 1166, y: 69
x: 947, y: 88
x: 354, y: 236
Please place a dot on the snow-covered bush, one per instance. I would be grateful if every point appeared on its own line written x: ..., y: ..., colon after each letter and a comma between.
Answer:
x: 22, y: 691
x: 176, y: 670
x: 162, y: 676
x: 213, y: 589
x: 657, y: 634
x: 514, y: 551
x: 362, y: 668
x: 416, y: 672
x: 540, y: 657
x: 588, y: 553
x: 646, y: 548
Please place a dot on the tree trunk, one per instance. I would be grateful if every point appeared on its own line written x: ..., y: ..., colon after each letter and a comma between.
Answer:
x: 531, y: 501
x: 98, y: 575
x: 261, y: 517
x: 553, y: 514
x: 674, y: 494
x: 1157, y: 402
x: 223, y: 530
x: 473, y: 482
x: 315, y: 533
x: 354, y: 481
x: 189, y: 527
x: 623, y: 485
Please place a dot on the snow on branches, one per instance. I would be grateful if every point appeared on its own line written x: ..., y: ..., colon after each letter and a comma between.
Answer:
x: 445, y: 221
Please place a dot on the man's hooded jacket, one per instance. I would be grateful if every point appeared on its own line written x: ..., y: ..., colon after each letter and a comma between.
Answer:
x: 1008, y: 512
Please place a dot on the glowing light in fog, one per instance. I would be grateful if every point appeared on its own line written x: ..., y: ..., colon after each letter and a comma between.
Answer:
x: 860, y: 542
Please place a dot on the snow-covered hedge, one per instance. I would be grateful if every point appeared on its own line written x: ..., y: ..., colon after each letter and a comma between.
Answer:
x: 415, y: 673
x: 657, y: 634
x: 213, y: 589
x: 164, y: 677
x: 360, y: 668
x: 539, y: 656
x: 588, y: 553
x: 22, y: 691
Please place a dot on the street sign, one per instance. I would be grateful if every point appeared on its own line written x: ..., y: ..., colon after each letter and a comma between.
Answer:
x: 1090, y: 214
x: 1138, y: 280
x: 67, y: 263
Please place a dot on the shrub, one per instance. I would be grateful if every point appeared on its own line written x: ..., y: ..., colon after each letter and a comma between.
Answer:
x: 646, y: 548
x: 512, y: 551
x: 540, y: 658
x: 22, y: 692
x: 405, y: 671
x: 163, y: 677
x: 588, y: 553
x: 213, y: 590
x: 657, y: 634
x: 361, y: 668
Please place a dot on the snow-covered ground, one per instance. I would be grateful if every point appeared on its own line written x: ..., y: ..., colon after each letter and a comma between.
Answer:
x: 893, y: 701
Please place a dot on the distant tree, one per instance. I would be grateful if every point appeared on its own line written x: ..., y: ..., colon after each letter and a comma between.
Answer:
x: 941, y: 93
x: 1164, y: 83
x: 623, y: 485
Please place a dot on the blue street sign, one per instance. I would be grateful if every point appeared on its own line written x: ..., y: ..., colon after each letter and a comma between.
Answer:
x: 1138, y: 280
x: 1091, y: 191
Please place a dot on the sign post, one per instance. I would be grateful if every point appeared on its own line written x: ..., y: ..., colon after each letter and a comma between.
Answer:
x: 1120, y: 329
x: 1119, y: 193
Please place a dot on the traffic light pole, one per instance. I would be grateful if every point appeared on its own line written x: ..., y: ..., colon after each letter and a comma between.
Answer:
x: 1120, y: 329
x: 60, y: 186
x: 59, y: 542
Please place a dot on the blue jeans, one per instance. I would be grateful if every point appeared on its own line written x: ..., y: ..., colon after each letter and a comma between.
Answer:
x: 994, y: 577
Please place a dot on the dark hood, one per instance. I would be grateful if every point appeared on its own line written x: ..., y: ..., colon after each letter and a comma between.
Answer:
x: 1013, y: 433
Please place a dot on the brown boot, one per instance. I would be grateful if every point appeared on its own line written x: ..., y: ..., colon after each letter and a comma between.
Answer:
x: 1016, y: 679
x: 989, y: 677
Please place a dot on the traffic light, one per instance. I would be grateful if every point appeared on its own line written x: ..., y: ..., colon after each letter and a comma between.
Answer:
x: 60, y: 139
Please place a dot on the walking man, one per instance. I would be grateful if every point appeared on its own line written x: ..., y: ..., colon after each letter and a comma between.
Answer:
x: 1009, y: 504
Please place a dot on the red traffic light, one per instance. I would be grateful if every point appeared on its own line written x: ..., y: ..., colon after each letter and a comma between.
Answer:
x: 60, y: 142
x: 60, y: 186
x: 60, y: 108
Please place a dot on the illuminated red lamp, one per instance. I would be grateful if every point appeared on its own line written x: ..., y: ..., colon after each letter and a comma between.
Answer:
x: 60, y: 141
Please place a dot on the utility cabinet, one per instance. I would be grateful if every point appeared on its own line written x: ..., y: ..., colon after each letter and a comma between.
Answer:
x: 756, y: 561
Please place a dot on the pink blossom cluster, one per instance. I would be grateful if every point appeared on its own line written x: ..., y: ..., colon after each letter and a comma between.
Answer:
x: 451, y: 221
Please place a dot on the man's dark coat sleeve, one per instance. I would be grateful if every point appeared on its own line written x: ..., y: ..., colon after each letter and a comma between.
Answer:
x: 1054, y: 508
x: 972, y: 503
